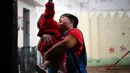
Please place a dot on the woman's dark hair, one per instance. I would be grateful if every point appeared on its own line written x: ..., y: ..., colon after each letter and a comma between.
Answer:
x: 73, y: 18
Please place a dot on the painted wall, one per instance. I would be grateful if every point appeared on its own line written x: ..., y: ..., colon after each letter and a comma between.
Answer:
x: 106, y: 36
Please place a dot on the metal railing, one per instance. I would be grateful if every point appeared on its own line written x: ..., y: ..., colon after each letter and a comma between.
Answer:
x: 27, y: 59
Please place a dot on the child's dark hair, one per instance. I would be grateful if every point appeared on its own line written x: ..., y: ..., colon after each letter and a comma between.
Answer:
x: 73, y: 18
x: 38, y: 22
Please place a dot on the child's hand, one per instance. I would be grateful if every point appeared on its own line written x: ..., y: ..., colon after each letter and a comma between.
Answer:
x: 46, y: 65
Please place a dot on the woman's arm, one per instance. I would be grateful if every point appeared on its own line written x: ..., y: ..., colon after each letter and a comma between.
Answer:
x: 69, y: 42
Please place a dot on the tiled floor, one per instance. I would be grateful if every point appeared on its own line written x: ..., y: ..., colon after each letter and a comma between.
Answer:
x: 103, y: 70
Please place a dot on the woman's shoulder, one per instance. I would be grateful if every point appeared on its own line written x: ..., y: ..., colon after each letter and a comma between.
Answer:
x: 75, y: 31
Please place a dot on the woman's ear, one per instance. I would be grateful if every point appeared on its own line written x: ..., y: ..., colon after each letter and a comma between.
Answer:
x: 71, y: 21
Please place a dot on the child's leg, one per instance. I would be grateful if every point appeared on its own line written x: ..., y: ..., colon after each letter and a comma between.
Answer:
x: 39, y: 69
x: 62, y: 64
x: 43, y: 67
x: 62, y: 68
x: 39, y: 43
x: 44, y: 46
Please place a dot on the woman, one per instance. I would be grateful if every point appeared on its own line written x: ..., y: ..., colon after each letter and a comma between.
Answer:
x: 72, y: 45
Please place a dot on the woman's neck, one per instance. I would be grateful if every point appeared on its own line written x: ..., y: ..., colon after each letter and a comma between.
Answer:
x: 66, y: 31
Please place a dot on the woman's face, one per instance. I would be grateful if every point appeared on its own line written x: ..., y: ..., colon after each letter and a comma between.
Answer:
x: 64, y: 22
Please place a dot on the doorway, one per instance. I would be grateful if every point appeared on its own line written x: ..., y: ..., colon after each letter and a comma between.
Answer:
x: 26, y: 25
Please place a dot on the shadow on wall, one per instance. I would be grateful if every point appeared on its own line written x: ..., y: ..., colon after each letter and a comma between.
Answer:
x: 27, y: 59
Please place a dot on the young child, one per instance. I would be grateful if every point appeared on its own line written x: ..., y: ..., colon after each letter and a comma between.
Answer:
x: 47, y: 25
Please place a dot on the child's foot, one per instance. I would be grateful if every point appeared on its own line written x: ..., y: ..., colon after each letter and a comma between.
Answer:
x: 39, y: 69
x: 62, y: 68
x: 60, y: 71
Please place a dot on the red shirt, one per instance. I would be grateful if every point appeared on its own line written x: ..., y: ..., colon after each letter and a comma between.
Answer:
x: 79, y: 46
x: 79, y: 36
x: 77, y: 49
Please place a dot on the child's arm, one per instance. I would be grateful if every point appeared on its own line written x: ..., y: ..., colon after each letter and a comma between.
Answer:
x: 49, y: 10
x: 46, y: 16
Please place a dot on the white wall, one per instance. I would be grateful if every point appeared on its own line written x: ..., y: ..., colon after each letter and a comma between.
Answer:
x: 106, y: 5
x: 75, y: 7
x: 40, y: 1
x: 99, y: 5
x: 33, y: 27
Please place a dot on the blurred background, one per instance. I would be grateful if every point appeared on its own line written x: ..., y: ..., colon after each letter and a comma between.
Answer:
x: 105, y: 25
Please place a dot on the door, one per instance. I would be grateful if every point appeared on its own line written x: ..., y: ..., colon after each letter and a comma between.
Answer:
x: 26, y: 24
